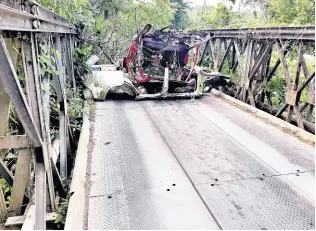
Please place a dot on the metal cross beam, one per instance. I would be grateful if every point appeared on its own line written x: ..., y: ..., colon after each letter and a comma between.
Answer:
x: 251, y: 50
x: 30, y: 16
x: 31, y: 102
x: 10, y: 80
x: 306, y: 33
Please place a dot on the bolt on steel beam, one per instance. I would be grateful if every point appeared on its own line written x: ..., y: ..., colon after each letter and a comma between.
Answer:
x: 31, y: 16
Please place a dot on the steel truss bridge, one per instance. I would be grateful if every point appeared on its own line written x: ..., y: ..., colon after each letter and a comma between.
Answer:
x: 219, y: 162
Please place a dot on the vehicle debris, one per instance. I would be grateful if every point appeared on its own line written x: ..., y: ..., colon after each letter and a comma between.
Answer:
x: 158, y: 65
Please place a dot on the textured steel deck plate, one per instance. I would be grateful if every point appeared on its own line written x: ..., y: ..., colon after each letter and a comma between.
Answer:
x: 214, y: 151
x: 293, y: 150
x: 136, y: 156
x: 271, y: 203
x: 179, y: 208
x: 136, y: 181
x: 206, y: 152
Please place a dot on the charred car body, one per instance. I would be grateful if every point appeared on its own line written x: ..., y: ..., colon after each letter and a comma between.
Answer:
x: 157, y: 66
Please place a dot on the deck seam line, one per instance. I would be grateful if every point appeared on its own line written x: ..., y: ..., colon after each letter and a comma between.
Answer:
x: 215, y: 182
x: 246, y: 148
x: 183, y: 169
x: 256, y: 177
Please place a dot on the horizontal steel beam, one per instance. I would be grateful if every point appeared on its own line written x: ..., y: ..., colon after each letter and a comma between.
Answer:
x: 7, y: 142
x: 30, y: 16
x: 284, y: 33
x: 19, y: 220
x: 10, y: 80
x: 310, y: 127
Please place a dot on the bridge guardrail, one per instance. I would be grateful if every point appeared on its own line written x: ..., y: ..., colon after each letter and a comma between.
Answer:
x: 28, y: 32
x: 250, y: 52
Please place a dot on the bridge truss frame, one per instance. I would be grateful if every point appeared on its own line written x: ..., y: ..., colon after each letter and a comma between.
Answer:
x: 26, y: 27
x: 250, y: 52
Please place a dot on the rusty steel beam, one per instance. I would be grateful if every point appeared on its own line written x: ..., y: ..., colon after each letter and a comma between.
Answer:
x: 30, y: 16
x: 310, y: 127
x: 10, y: 80
x: 40, y: 196
x: 19, y: 141
x: 255, y: 68
x: 306, y: 33
x: 6, y: 173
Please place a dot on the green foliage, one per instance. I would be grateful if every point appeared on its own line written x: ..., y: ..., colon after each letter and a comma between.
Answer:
x: 66, y: 8
x: 209, y: 17
x: 263, y: 13
x: 10, y: 156
x: 5, y: 187
x: 6, y: 190
x: 117, y: 32
x: 62, y: 209
x: 222, y: 16
x: 284, y: 12
x: 81, y: 54
x: 277, y: 89
x: 108, y: 26
x: 181, y: 18
x: 292, y: 12
x: 46, y: 60
x: 75, y: 109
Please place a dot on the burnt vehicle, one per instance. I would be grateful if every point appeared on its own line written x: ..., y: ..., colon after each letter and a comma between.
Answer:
x: 157, y: 66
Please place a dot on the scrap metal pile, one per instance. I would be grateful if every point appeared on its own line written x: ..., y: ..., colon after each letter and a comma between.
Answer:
x: 159, y: 65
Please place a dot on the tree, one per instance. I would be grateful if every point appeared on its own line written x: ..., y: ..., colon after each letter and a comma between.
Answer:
x: 206, y: 17
x: 66, y: 8
x: 222, y: 16
x: 181, y: 19
x: 109, y: 26
x: 292, y: 12
x: 117, y: 32
x: 286, y: 12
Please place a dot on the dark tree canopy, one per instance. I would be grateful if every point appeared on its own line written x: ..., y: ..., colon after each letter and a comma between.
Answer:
x: 181, y: 19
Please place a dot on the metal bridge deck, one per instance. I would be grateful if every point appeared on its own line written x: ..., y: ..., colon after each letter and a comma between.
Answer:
x: 195, y: 164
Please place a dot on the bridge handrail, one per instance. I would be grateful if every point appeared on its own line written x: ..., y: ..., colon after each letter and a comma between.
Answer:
x: 288, y: 32
x: 30, y: 16
x: 24, y: 27
x: 250, y: 51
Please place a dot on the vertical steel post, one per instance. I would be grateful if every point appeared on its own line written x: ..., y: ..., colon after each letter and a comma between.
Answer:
x: 45, y: 147
x: 62, y: 112
x: 66, y: 57
x: 4, y: 119
x: 40, y: 193
x: 71, y: 45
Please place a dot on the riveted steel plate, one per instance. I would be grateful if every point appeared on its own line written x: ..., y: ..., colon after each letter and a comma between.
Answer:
x: 150, y: 209
x: 303, y: 182
x: 271, y: 203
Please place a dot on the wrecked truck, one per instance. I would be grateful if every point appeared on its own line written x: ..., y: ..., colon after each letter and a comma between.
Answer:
x: 158, y: 65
